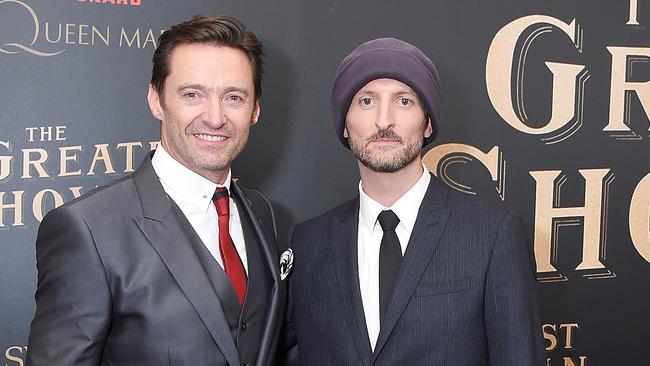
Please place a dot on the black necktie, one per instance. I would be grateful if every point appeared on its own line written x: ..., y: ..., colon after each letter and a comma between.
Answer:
x: 390, y: 259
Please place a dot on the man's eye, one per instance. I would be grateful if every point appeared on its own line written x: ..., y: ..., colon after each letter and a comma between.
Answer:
x: 191, y: 95
x: 405, y: 101
x: 235, y: 98
x: 366, y: 101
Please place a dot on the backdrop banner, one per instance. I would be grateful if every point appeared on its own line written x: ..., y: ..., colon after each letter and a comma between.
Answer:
x: 546, y: 107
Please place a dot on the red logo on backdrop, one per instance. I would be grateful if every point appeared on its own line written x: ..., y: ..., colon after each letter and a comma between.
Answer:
x: 109, y: 2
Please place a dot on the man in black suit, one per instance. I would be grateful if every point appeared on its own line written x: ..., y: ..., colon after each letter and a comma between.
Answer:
x: 175, y: 264
x: 409, y: 272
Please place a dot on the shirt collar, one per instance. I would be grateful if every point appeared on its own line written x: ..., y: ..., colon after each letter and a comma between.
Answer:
x: 406, y: 207
x: 192, y: 187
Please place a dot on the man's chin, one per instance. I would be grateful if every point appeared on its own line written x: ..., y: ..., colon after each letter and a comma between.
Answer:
x: 381, y: 166
x: 212, y: 165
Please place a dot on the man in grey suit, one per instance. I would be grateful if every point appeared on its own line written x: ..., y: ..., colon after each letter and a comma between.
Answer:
x: 175, y: 264
x: 409, y: 272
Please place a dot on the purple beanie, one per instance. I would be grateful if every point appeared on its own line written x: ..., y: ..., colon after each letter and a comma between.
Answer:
x: 386, y: 58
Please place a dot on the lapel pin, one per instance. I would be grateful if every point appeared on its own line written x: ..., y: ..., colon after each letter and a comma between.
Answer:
x: 286, y: 263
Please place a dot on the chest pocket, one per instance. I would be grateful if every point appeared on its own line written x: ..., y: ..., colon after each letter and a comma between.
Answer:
x: 440, y: 288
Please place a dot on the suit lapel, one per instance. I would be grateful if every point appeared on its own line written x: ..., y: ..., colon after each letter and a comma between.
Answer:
x: 344, y: 244
x: 272, y: 260
x: 425, y: 237
x: 162, y: 227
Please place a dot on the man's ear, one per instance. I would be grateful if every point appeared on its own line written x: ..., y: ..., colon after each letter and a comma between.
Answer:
x: 345, y: 132
x: 428, y: 131
x: 256, y: 113
x: 154, y: 102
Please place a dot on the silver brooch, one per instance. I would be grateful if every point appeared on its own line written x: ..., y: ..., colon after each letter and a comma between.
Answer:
x: 286, y: 263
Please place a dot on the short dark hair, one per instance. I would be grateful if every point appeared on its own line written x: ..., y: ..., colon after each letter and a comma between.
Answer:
x: 219, y: 31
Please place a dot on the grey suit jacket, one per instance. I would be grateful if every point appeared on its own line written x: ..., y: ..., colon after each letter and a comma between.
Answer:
x: 465, y: 293
x: 122, y: 281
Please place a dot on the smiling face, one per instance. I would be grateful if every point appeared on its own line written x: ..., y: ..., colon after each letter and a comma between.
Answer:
x: 207, y: 107
x: 386, y: 125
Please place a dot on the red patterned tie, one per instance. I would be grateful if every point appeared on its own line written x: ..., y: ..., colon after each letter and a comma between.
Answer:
x: 232, y: 264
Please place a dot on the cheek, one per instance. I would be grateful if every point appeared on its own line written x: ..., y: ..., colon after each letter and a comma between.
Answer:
x: 351, y: 131
x: 359, y: 123
x: 174, y: 125
x: 414, y: 122
x: 241, y: 119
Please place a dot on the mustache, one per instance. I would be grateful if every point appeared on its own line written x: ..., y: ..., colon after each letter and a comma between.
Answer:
x: 226, y: 130
x: 385, y: 134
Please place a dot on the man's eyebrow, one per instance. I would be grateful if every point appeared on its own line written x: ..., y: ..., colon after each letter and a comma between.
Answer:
x: 237, y: 89
x: 366, y: 92
x: 192, y: 86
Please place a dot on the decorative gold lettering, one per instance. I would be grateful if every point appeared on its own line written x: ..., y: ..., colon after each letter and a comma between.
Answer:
x: 83, y: 32
x: 64, y: 158
x: 550, y: 336
x: 17, y: 206
x: 30, y: 131
x: 151, y: 39
x: 106, y: 37
x: 568, y: 361
x: 69, y: 33
x: 569, y: 333
x: 442, y: 156
x: 128, y: 147
x: 101, y: 154
x: 59, y: 133
x: 639, y: 219
x: 14, y: 354
x: 567, y: 92
x: 47, y: 33
x: 549, y: 217
x: 134, y: 39
x: 36, y: 163
x: 5, y: 162
x: 39, y: 199
x: 622, y: 89
x: 76, y: 191
x: 634, y: 8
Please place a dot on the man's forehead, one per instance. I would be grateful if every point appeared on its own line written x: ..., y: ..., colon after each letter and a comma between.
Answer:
x: 386, y: 85
x: 198, y: 63
x: 196, y: 53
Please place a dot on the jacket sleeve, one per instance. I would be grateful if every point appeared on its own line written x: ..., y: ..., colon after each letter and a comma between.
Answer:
x: 73, y: 301
x: 512, y: 320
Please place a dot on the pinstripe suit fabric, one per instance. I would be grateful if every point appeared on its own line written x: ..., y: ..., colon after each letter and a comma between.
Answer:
x: 465, y: 293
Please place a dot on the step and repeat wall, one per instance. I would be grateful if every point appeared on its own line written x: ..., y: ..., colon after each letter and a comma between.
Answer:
x: 545, y: 107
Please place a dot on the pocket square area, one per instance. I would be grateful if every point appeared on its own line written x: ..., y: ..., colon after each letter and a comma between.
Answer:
x: 439, y: 288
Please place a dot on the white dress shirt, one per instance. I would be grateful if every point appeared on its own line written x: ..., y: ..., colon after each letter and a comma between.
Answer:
x: 193, y: 195
x: 369, y: 239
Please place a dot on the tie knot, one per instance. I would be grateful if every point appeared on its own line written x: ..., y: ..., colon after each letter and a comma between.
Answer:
x: 221, y: 201
x: 388, y: 220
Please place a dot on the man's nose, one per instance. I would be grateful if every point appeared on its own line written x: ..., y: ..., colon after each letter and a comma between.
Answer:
x: 213, y: 115
x: 385, y: 118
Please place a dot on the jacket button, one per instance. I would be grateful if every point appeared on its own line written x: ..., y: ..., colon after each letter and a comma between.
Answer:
x: 243, y: 326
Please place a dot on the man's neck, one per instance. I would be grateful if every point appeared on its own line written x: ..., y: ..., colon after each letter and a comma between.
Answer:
x: 387, y: 188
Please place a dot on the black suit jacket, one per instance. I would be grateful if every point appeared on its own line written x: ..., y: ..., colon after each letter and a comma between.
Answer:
x: 124, y: 280
x: 465, y: 293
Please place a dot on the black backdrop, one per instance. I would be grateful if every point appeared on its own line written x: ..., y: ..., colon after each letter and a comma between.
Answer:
x: 548, y: 115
